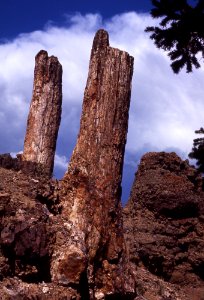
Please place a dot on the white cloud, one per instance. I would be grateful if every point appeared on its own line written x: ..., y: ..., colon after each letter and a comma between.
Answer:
x: 61, y: 162
x: 165, y: 109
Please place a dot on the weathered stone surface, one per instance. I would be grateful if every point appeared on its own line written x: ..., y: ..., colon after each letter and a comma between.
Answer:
x: 29, y: 221
x: 91, y: 188
x: 165, y: 229
x: 45, y: 112
x: 26, y: 234
x: 166, y: 246
x: 16, y: 289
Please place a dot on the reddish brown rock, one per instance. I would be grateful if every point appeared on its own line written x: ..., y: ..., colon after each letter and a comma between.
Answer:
x: 28, y: 225
x: 164, y: 223
x: 91, y: 188
x: 45, y: 112
x: 16, y: 289
x: 26, y: 234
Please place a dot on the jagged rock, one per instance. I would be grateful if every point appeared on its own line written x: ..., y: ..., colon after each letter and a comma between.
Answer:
x: 91, y: 244
x: 45, y: 112
x: 164, y: 223
x: 29, y: 222
x: 27, y: 167
x: 26, y: 236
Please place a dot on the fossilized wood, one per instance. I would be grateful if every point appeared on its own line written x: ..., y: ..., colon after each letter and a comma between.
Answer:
x: 92, y: 184
x: 45, y: 112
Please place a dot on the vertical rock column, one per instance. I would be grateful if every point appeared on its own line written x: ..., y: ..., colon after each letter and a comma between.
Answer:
x: 90, y: 248
x: 45, y: 112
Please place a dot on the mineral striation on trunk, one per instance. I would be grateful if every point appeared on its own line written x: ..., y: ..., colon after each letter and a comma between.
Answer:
x: 90, y: 249
x: 45, y: 112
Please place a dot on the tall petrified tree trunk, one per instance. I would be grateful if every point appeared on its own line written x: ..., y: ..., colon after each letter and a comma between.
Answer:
x: 91, y: 246
x: 45, y: 112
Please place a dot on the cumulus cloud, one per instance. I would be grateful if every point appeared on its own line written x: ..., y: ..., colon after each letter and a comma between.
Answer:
x: 61, y: 162
x: 165, y: 108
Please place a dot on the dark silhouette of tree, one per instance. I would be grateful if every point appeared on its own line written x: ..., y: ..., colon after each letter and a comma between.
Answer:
x: 198, y: 150
x: 180, y: 32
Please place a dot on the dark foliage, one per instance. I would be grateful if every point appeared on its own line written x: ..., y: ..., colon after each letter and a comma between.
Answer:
x: 198, y: 151
x: 180, y: 32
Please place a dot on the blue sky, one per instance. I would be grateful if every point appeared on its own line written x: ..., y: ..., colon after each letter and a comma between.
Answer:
x: 165, y: 108
x: 18, y: 16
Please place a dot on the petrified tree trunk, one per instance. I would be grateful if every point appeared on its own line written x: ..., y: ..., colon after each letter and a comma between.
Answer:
x: 45, y: 112
x: 91, y: 246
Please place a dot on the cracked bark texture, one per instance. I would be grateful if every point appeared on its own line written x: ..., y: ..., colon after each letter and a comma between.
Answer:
x: 90, y: 249
x: 45, y: 112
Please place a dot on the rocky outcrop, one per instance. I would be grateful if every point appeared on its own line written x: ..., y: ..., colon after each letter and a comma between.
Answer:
x: 45, y: 112
x: 29, y: 220
x: 164, y: 223
x: 90, y: 248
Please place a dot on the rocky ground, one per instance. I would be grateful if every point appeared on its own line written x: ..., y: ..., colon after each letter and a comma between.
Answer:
x: 31, y: 224
x: 29, y: 209
x: 164, y: 223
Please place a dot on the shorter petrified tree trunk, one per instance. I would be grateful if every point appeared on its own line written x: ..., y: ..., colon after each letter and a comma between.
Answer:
x: 45, y: 112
